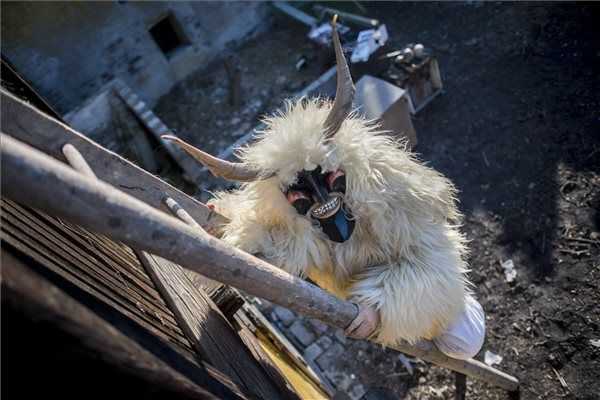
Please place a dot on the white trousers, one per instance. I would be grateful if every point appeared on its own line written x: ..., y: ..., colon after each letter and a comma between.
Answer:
x: 464, y: 337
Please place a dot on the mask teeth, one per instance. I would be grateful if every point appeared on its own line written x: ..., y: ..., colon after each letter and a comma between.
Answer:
x: 327, y: 208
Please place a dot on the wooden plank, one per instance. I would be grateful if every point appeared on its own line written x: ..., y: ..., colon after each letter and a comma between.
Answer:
x: 154, y: 318
x: 207, y: 329
x: 260, y: 335
x: 75, y: 247
x: 40, y: 181
x: 42, y: 300
x: 24, y: 122
x: 76, y: 160
x: 257, y: 318
x: 304, y: 385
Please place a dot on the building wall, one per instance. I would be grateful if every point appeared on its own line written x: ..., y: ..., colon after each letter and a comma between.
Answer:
x: 69, y: 51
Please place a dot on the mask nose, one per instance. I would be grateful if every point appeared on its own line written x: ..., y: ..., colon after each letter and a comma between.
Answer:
x: 319, y: 190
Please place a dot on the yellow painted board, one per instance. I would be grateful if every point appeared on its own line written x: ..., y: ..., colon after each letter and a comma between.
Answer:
x: 305, y: 387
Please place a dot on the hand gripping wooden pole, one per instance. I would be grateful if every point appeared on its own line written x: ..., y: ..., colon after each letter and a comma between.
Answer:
x: 37, y: 180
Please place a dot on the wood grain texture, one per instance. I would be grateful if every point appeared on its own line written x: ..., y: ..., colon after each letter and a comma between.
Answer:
x: 80, y: 258
x: 207, y: 329
x: 44, y: 301
x: 76, y: 160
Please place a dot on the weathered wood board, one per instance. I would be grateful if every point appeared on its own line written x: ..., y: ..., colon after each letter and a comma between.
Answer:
x: 43, y: 300
x: 25, y: 123
x: 208, y: 331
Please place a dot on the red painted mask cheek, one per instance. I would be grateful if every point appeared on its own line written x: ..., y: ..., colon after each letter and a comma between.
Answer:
x: 300, y: 201
x: 336, y: 181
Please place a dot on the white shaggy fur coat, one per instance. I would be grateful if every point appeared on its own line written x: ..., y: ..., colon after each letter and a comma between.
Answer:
x: 406, y: 255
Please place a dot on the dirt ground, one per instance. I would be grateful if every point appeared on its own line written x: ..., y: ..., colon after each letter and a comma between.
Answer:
x: 518, y: 131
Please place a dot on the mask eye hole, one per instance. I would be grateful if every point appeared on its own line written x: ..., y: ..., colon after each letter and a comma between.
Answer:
x: 300, y: 201
x: 336, y: 181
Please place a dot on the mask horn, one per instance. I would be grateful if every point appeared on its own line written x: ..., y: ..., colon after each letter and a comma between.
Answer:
x: 222, y: 168
x: 344, y: 93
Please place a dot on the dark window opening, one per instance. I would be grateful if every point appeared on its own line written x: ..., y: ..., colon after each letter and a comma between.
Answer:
x: 168, y: 35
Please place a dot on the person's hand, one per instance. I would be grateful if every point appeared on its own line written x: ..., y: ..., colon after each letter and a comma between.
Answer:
x: 365, y: 323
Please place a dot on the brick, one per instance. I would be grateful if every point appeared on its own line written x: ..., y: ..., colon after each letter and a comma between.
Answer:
x: 324, y: 342
x: 132, y: 99
x: 340, y: 336
x: 318, y: 326
x: 301, y: 333
x: 328, y: 359
x: 154, y: 122
x: 313, y: 351
x: 284, y: 315
x: 147, y: 115
x: 139, y: 106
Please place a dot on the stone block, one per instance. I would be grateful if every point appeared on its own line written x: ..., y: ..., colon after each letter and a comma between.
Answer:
x: 324, y: 342
x: 312, y: 352
x: 318, y: 326
x: 340, y: 336
x: 328, y: 359
x: 301, y: 333
x: 284, y: 315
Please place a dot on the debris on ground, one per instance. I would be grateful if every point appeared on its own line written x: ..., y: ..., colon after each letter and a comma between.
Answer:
x: 406, y: 363
x: 510, y: 273
x: 492, y: 358
x: 367, y: 43
x: 322, y: 34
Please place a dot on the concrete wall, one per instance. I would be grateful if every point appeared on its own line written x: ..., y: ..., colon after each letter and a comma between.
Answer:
x: 69, y: 51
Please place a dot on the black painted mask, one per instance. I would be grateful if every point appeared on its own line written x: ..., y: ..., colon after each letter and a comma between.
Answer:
x: 320, y: 196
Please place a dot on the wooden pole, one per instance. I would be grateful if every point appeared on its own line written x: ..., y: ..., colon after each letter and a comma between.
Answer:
x: 180, y: 213
x: 35, y: 179
x: 40, y: 181
x: 77, y: 161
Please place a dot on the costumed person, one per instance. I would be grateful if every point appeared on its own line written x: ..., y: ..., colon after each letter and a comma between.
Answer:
x: 330, y: 197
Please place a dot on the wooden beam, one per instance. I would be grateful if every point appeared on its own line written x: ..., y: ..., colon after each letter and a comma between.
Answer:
x: 35, y: 128
x: 36, y: 179
x: 44, y: 301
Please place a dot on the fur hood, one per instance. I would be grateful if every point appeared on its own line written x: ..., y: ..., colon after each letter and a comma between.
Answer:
x: 406, y: 214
